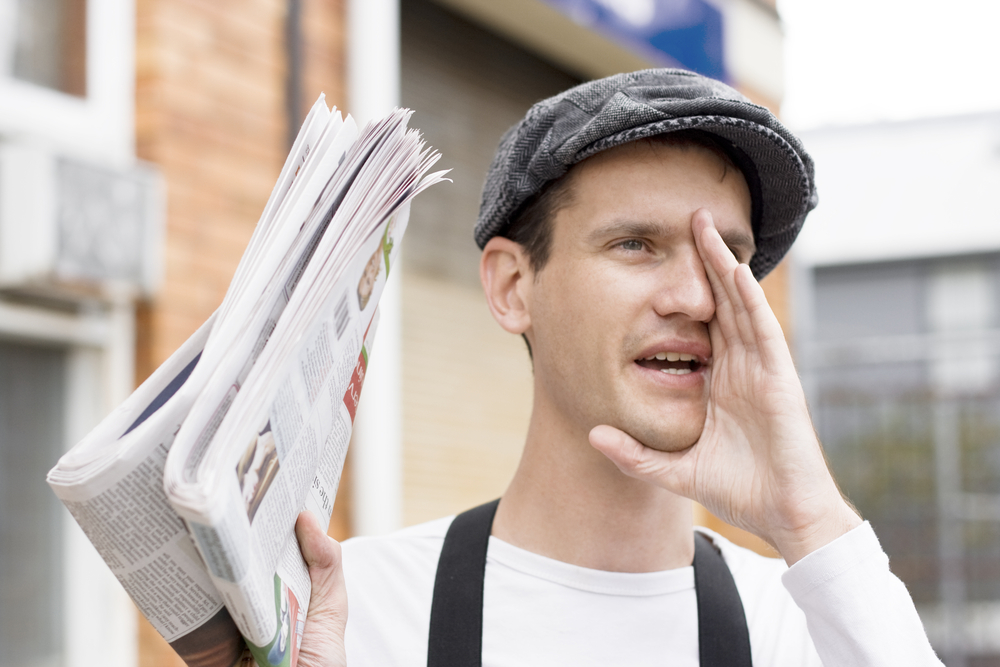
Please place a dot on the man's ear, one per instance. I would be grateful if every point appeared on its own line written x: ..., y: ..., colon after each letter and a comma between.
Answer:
x: 507, y: 278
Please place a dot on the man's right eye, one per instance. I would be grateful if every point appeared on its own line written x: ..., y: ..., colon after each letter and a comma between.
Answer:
x: 634, y: 245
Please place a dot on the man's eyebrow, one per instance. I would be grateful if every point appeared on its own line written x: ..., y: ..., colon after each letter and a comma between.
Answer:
x: 735, y: 239
x: 636, y: 228
x: 738, y: 240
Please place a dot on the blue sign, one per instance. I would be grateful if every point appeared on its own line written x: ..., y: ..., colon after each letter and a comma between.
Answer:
x: 687, y: 33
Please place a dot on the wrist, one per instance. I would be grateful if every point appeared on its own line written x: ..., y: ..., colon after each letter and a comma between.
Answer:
x: 797, y: 543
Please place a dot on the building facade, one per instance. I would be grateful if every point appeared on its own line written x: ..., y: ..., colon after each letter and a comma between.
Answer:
x: 139, y: 140
x: 897, y: 308
x: 80, y: 220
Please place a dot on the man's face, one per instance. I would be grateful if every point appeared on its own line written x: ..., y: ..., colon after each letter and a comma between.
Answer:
x: 619, y: 313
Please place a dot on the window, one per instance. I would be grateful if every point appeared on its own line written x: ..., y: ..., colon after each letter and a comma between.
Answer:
x: 60, y: 372
x: 31, y: 538
x: 67, y: 101
x: 902, y: 364
x: 67, y: 76
x: 45, y: 43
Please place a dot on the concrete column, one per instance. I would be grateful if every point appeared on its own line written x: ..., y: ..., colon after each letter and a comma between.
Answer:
x: 373, y: 90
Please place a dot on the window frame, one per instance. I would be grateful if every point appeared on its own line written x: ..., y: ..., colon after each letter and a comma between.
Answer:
x: 945, y: 618
x: 99, y: 126
x: 99, y: 619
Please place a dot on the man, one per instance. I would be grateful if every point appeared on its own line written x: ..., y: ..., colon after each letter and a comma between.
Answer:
x: 623, y: 225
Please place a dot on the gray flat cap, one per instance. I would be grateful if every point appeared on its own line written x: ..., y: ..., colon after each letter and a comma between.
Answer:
x: 559, y: 132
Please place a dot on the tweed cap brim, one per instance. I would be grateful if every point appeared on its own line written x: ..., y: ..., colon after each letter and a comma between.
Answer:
x: 561, y: 131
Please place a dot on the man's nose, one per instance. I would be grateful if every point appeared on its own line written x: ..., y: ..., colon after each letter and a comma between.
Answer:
x: 684, y: 287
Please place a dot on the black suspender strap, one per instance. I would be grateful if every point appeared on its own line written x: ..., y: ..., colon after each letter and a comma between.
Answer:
x: 456, y: 635
x: 723, y: 638
x: 456, y: 627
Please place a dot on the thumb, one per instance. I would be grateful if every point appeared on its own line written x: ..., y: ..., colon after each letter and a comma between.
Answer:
x: 323, y: 640
x: 663, y: 469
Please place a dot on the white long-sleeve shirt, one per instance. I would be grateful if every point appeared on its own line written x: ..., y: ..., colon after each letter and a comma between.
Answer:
x: 838, y: 606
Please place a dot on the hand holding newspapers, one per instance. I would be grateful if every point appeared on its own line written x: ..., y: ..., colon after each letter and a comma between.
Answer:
x: 190, y: 489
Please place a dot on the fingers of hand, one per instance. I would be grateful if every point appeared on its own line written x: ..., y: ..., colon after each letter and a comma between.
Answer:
x: 766, y: 329
x: 703, y: 225
x: 720, y: 266
x: 713, y: 249
x: 637, y: 460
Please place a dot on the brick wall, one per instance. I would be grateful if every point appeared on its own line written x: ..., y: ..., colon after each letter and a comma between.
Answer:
x: 211, y: 112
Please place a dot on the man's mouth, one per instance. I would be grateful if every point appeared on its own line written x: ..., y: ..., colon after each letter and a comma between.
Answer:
x: 673, y: 363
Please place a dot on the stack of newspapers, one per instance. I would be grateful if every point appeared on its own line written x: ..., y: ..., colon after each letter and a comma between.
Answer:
x: 190, y: 489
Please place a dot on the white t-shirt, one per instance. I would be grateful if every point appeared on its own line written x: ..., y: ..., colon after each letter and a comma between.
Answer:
x: 539, y: 611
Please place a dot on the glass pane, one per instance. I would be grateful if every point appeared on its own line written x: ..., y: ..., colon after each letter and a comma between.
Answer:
x: 880, y: 300
x: 980, y: 438
x: 882, y: 454
x: 960, y: 302
x: 48, y: 44
x: 876, y: 381
x: 916, y: 445
x: 980, y: 474
x: 32, y: 381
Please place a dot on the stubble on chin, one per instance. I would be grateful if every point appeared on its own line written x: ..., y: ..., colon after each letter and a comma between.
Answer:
x: 667, y: 432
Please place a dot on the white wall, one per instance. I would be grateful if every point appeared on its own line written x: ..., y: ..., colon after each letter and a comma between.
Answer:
x: 904, y: 190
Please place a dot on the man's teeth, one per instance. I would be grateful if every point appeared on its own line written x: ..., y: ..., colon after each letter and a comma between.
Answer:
x: 676, y: 371
x: 671, y: 356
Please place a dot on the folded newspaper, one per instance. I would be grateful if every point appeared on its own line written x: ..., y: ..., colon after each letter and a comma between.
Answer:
x: 190, y: 489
